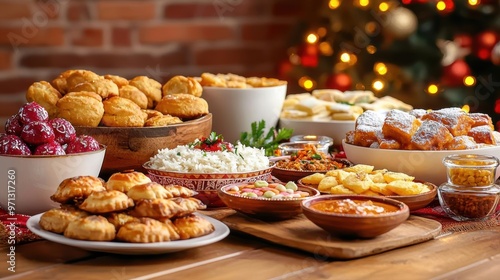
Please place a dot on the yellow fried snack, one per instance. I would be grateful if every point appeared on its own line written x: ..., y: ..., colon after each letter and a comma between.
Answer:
x: 150, y: 87
x: 181, y: 84
x: 327, y: 183
x: 313, y: 179
x: 339, y: 174
x: 357, y: 183
x: 340, y: 189
x: 360, y: 167
x: 370, y: 193
x: 401, y: 187
x: 381, y: 188
x: 397, y: 176
x: 44, y: 94
x: 376, y: 177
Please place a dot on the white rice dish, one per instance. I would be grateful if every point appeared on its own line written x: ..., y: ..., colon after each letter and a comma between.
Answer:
x: 186, y: 159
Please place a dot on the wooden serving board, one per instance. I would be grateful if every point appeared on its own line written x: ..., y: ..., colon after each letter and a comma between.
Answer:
x: 300, y: 233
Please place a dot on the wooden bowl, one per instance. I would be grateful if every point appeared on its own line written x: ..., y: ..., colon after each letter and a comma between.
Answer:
x: 356, y: 225
x: 264, y: 208
x: 414, y: 202
x: 131, y: 147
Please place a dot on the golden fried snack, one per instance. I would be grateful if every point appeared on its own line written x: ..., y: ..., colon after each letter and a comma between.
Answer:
x: 162, y: 120
x: 106, y: 202
x: 211, y: 80
x: 79, y: 77
x: 60, y: 82
x: 81, y: 108
x: 105, y: 88
x: 462, y: 142
x: 192, y: 226
x: 77, y: 188
x: 189, y: 205
x: 122, y: 112
x: 134, y: 94
x: 264, y: 82
x: 184, y: 106
x: 179, y: 191
x: 151, y: 190
x: 119, y: 219
x: 156, y: 208
x: 92, y: 228
x: 482, y: 134
x: 431, y: 135
x: 119, y: 81
x: 455, y: 120
x: 44, y: 94
x: 152, y: 113
x: 147, y: 230
x: 400, y: 126
x: 57, y: 219
x: 124, y: 181
x: 481, y: 119
x: 181, y: 84
x: 150, y: 87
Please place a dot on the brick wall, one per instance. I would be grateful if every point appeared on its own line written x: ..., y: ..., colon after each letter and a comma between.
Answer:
x: 40, y: 39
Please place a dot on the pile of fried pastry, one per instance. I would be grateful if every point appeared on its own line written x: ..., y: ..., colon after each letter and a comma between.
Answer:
x: 85, y: 98
x: 128, y: 207
x: 332, y: 104
x: 419, y: 129
x: 231, y: 80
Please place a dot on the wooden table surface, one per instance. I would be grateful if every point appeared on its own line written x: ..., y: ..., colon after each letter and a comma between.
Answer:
x: 463, y: 255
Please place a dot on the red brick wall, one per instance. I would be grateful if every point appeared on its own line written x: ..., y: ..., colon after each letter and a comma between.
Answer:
x: 40, y: 39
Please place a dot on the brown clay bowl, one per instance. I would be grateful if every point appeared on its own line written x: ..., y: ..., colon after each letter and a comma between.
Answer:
x: 265, y: 208
x: 130, y: 147
x: 286, y: 175
x: 414, y: 202
x: 356, y: 225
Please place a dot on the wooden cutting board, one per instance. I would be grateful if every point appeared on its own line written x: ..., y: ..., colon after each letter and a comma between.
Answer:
x: 300, y: 233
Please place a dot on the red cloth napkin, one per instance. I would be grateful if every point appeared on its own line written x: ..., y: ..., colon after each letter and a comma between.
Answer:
x: 13, y: 229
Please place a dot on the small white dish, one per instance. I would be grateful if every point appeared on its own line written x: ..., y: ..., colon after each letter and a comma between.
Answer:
x: 220, y: 232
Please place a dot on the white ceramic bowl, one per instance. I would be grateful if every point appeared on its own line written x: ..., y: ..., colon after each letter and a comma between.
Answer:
x: 235, y: 109
x: 335, y: 129
x: 423, y: 165
x: 29, y: 181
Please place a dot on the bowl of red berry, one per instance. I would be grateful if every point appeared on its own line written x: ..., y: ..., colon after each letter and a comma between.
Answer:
x: 207, y: 164
x: 37, y: 154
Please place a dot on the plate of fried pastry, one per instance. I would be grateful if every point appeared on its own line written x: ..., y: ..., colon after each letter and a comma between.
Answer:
x: 128, y: 214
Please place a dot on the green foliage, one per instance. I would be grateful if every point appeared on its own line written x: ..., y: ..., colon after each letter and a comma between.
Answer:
x: 269, y: 141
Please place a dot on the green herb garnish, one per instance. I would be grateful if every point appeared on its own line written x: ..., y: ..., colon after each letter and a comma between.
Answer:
x: 269, y: 141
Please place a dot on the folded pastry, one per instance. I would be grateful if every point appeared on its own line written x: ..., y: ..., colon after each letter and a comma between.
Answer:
x: 150, y: 87
x: 119, y: 81
x: 82, y: 108
x: 106, y: 202
x: 162, y: 120
x: 134, y: 94
x: 92, y: 228
x: 192, y: 226
x: 181, y: 84
x: 119, y: 219
x: 80, y: 76
x: 147, y: 230
x: 123, y: 181
x: 183, y: 105
x: 179, y: 191
x: 104, y: 87
x: 157, y: 208
x: 122, y: 112
x: 189, y: 205
x: 44, y: 94
x: 57, y: 219
x: 151, y: 190
x: 77, y: 188
x: 60, y: 83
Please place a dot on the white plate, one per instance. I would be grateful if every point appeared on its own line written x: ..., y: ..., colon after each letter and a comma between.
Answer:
x: 220, y: 232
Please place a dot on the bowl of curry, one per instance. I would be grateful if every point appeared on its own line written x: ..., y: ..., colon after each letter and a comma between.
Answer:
x: 355, y: 216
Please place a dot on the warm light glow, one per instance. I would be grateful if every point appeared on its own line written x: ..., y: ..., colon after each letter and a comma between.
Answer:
x: 380, y: 68
x: 371, y: 49
x: 432, y: 89
x: 441, y: 5
x: 352, y: 59
x: 325, y: 48
x: 294, y: 59
x: 378, y: 85
x: 371, y: 28
x: 473, y: 2
x: 334, y: 4
x: 345, y: 57
x: 469, y: 81
x: 383, y: 7
x: 306, y: 82
x: 321, y: 32
x: 466, y: 108
x: 359, y: 86
x: 364, y: 3
x: 312, y: 38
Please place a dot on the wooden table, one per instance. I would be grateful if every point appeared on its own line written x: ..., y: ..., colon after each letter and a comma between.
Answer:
x: 464, y: 255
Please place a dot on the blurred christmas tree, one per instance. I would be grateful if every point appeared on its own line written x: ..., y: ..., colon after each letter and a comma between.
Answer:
x: 430, y: 54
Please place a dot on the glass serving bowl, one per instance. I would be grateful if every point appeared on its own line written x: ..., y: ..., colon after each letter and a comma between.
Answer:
x: 470, y: 192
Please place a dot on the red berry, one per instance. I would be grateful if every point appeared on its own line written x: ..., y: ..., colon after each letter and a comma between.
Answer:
x: 13, y: 126
x: 63, y: 130
x: 13, y: 145
x: 81, y: 144
x: 50, y: 148
x: 37, y: 133
x: 32, y: 112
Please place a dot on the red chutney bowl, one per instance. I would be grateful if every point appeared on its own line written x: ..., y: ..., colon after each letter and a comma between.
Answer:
x: 355, y: 225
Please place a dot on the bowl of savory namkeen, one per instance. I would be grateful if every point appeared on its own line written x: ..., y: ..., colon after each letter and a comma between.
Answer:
x: 266, y: 200
x: 416, y: 142
x: 362, y: 179
x: 355, y: 216
x: 207, y: 164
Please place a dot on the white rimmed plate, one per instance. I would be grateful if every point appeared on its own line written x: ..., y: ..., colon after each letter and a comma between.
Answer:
x: 220, y: 232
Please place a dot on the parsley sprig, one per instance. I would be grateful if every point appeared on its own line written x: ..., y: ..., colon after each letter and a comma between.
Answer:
x: 268, y: 141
